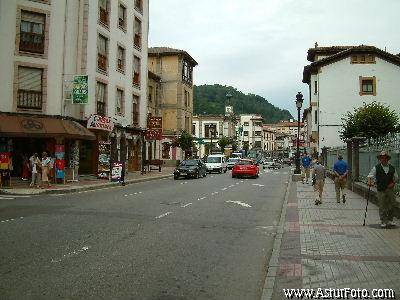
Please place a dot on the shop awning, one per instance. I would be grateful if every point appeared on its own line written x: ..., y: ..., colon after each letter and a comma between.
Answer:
x: 37, y: 126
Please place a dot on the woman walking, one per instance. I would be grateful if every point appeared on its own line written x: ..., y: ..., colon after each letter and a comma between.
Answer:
x: 45, y: 169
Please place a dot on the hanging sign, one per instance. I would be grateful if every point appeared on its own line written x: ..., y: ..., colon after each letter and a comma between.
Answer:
x: 100, y: 122
x: 80, y: 90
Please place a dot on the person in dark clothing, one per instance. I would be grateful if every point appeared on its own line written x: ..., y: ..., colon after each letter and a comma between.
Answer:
x: 384, y: 175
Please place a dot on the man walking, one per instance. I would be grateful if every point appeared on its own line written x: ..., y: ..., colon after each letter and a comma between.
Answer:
x: 320, y: 175
x: 384, y: 175
x: 305, y: 163
x: 341, y: 170
x: 34, y: 166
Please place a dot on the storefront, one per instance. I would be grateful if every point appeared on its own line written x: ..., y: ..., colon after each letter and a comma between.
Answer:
x: 22, y: 135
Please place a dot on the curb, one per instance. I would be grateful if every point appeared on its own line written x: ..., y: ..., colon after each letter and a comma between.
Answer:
x: 86, y: 188
x: 273, y: 264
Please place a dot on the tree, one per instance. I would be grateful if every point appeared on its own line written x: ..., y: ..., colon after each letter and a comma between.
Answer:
x: 223, y: 142
x: 185, y: 141
x: 370, y: 121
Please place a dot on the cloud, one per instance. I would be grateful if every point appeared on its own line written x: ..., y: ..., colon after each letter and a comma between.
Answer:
x: 260, y: 46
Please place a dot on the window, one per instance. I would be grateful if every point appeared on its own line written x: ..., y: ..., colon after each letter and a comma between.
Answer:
x: 119, y: 102
x: 139, y: 5
x: 101, y: 98
x: 151, y: 91
x: 187, y: 73
x: 257, y: 123
x: 193, y: 129
x: 102, y: 50
x: 187, y: 97
x: 136, y: 71
x: 245, y: 133
x: 122, y: 17
x: 32, y: 32
x: 104, y: 12
x: 210, y: 129
x: 137, y: 40
x: 246, y: 124
x: 315, y: 87
x: 121, y: 59
x: 135, y: 110
x: 30, y: 85
x: 316, y: 117
x: 257, y: 133
x: 257, y: 144
x: 363, y: 59
x: 368, y: 86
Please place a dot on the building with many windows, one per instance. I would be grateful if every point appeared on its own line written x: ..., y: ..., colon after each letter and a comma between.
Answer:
x: 251, y: 132
x: 45, y: 44
x: 341, y: 78
x: 175, y: 68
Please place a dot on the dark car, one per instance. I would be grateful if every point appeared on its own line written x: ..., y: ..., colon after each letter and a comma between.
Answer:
x: 191, y: 168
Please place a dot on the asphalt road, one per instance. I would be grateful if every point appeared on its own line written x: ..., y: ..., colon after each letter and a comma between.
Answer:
x: 208, y: 238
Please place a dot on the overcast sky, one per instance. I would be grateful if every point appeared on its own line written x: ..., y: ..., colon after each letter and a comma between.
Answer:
x: 260, y: 46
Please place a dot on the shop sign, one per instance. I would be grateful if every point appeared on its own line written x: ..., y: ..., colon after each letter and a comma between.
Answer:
x: 100, y: 122
x: 5, y: 160
x: 116, y: 171
x: 153, y: 134
x: 80, y: 90
x: 154, y: 123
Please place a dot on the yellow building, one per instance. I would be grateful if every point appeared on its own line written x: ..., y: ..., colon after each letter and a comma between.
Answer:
x: 175, y: 68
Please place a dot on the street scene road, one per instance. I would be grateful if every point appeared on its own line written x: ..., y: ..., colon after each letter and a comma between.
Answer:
x: 207, y: 238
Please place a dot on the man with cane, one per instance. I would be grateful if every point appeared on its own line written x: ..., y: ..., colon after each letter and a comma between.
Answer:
x: 384, y: 175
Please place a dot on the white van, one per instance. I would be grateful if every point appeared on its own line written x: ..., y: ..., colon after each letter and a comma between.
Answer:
x: 216, y: 163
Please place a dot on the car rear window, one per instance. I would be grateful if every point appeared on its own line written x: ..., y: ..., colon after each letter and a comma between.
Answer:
x: 244, y: 162
x: 213, y: 159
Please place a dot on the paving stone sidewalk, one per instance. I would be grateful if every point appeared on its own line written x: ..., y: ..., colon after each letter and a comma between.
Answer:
x: 326, y: 246
x: 20, y: 187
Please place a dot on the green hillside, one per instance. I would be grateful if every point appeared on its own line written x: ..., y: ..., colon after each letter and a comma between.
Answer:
x: 211, y: 99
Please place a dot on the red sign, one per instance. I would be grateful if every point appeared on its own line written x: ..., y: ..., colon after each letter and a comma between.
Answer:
x: 155, y: 134
x: 4, y: 160
x: 100, y: 122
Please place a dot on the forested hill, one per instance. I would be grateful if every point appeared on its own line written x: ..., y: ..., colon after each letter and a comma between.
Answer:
x: 211, y: 99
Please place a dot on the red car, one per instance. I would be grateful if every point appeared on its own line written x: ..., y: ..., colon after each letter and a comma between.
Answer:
x: 245, y: 167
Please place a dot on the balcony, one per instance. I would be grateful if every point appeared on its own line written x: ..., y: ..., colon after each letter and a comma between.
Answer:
x: 137, y: 41
x: 121, y: 24
x: 29, y: 99
x: 139, y: 6
x: 31, y: 42
x: 101, y: 108
x: 121, y: 65
x: 102, y: 62
x: 104, y: 19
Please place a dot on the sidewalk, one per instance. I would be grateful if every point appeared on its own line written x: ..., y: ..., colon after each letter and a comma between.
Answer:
x: 326, y: 246
x: 20, y: 187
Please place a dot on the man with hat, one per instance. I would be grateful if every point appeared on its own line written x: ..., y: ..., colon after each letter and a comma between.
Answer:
x: 341, y: 170
x: 385, y: 176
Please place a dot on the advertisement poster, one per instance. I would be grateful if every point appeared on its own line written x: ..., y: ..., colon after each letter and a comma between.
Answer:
x: 5, y: 160
x: 104, y: 160
x: 80, y: 89
x: 60, y: 161
x: 116, y: 171
x: 100, y: 123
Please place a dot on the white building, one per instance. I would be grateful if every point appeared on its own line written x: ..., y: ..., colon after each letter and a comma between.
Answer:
x: 251, y: 136
x: 45, y: 43
x: 269, y: 143
x: 208, y: 129
x: 342, y: 78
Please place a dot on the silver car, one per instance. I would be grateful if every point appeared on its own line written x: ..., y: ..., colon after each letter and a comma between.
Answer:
x: 232, y: 161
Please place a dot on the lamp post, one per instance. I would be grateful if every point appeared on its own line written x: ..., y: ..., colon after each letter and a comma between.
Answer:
x: 299, y: 103
x: 212, y: 132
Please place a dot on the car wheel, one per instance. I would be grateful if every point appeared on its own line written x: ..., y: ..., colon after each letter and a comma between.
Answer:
x: 233, y: 176
x: 220, y: 171
x: 197, y: 175
x: 176, y: 177
x: 226, y: 170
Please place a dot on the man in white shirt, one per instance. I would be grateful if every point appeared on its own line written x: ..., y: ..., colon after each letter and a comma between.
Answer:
x: 34, y: 163
x: 384, y: 175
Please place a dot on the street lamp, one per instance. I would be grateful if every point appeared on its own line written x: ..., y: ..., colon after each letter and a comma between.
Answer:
x: 212, y: 132
x: 299, y: 103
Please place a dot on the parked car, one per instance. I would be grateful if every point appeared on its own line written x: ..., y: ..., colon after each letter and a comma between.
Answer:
x: 268, y: 163
x: 191, y: 168
x: 245, y: 167
x: 232, y: 161
x: 216, y: 163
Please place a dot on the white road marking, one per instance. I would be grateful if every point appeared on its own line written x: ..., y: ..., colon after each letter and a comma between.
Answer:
x: 214, y: 193
x: 126, y: 195
x: 9, y: 220
x: 76, y: 252
x: 232, y: 185
x: 237, y: 183
x: 136, y: 193
x: 239, y: 203
x: 186, y: 205
x: 6, y: 198
x: 130, y: 194
x: 257, y: 184
x: 140, y: 192
x: 164, y: 215
x: 202, y: 198
x: 241, y: 181
x: 223, y: 189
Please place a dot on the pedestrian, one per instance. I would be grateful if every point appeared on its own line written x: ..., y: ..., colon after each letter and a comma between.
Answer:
x: 34, y: 163
x: 25, y: 168
x: 341, y: 170
x: 46, y: 161
x: 384, y: 176
x: 319, y: 175
x: 305, y: 163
